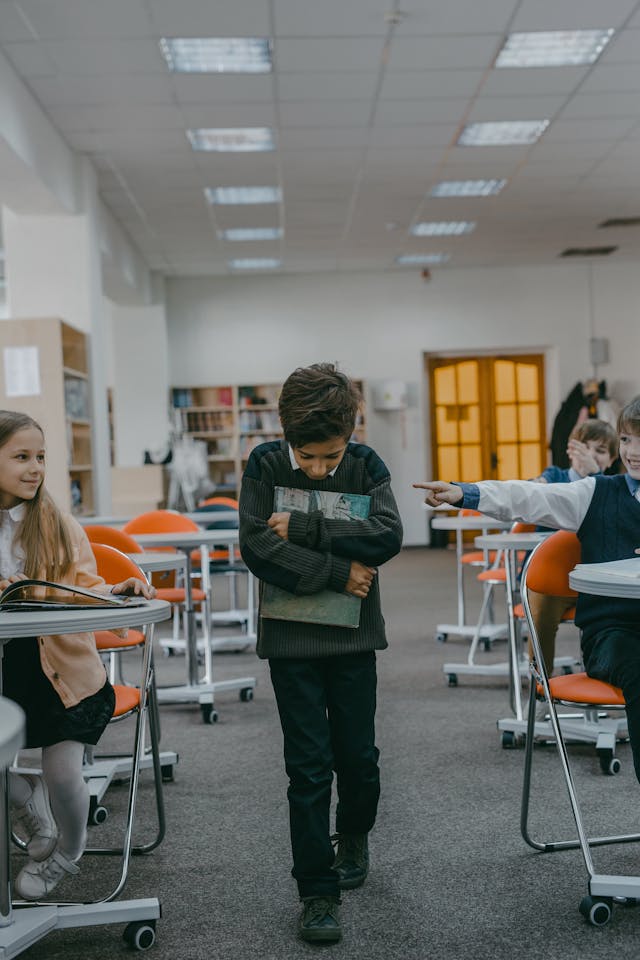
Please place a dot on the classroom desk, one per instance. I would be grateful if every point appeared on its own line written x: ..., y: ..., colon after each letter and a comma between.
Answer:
x: 196, y: 689
x: 198, y: 517
x: 29, y: 924
x: 516, y: 666
x: 460, y: 525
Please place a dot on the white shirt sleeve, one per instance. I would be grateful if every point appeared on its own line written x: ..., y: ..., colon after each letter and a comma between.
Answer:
x: 562, y: 506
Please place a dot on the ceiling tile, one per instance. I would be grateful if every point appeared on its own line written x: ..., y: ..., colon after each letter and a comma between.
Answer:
x: 334, y: 53
x: 85, y: 19
x: 462, y: 51
x: 202, y: 18
x: 564, y: 15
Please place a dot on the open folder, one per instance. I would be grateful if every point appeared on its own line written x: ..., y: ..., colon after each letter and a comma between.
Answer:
x: 44, y: 595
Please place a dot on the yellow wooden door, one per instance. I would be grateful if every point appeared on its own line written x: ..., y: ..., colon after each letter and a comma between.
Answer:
x: 487, y: 417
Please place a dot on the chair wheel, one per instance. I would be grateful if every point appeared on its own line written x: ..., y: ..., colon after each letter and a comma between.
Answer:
x: 97, y: 813
x: 452, y: 679
x: 246, y: 694
x: 140, y: 935
x: 167, y: 773
x: 609, y: 764
x: 441, y: 637
x: 209, y: 715
x: 596, y: 911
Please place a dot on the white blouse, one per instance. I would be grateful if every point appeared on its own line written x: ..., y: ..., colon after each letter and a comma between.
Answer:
x: 11, y: 553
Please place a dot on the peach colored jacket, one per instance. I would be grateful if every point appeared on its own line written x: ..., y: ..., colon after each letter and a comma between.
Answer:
x: 71, y: 662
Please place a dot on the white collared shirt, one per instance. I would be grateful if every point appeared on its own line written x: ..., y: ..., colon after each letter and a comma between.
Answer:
x: 296, y: 466
x: 11, y: 553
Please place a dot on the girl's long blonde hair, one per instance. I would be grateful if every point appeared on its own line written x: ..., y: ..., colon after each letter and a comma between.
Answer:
x: 42, y: 534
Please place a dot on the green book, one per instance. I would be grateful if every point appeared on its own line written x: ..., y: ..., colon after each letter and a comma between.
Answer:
x: 325, y: 607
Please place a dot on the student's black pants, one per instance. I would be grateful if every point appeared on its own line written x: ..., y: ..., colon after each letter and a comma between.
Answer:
x: 613, y: 655
x: 327, y: 711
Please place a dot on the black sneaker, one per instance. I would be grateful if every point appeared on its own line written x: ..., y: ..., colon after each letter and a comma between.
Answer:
x: 319, y: 921
x: 352, y: 860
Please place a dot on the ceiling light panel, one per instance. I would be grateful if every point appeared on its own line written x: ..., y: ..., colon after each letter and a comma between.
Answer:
x: 248, y: 234
x: 422, y: 259
x: 553, y: 48
x: 233, y: 195
x: 217, y: 54
x: 450, y: 228
x: 467, y: 188
x: 254, y: 263
x: 232, y: 139
x: 502, y: 133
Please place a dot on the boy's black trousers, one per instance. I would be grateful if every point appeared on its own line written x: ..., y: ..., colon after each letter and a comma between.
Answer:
x: 327, y: 712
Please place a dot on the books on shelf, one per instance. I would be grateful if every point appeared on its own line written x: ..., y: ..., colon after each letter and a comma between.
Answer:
x: 611, y: 570
x: 327, y: 606
x: 45, y: 595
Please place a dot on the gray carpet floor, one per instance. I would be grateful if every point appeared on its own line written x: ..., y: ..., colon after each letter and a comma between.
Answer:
x: 451, y: 877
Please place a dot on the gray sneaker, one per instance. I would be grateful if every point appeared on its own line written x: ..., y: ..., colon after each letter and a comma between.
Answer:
x: 33, y: 822
x: 352, y: 860
x: 319, y: 921
x: 36, y: 880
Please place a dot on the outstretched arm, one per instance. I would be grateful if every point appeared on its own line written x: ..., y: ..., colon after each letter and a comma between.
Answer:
x: 439, y: 492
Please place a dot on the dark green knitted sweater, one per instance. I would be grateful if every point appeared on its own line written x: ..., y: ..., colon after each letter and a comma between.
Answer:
x: 318, y: 552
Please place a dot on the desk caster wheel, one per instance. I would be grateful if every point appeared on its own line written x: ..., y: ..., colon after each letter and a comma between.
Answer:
x: 441, y: 637
x: 167, y: 773
x: 97, y: 813
x: 168, y: 652
x: 609, y: 764
x: 141, y: 935
x: 209, y: 715
x: 508, y: 740
x: 596, y: 911
x: 246, y: 694
x: 452, y: 679
x: 486, y: 645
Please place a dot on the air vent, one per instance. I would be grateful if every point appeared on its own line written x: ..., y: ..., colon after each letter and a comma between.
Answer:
x: 587, y: 251
x: 621, y: 222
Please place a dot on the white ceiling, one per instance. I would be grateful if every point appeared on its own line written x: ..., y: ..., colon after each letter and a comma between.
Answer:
x: 366, y: 115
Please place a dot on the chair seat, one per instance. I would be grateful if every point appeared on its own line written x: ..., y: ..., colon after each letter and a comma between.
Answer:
x: 178, y: 594
x: 569, y: 614
x: 578, y: 688
x: 127, y: 699
x: 477, y: 557
x: 106, y: 640
x: 492, y: 576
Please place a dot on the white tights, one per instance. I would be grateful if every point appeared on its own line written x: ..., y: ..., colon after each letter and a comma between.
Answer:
x: 68, y: 794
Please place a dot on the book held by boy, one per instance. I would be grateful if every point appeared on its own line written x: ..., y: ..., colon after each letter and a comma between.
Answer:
x: 44, y: 595
x: 327, y: 606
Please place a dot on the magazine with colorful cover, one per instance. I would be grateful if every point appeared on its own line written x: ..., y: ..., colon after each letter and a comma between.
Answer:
x: 327, y: 606
x: 45, y: 595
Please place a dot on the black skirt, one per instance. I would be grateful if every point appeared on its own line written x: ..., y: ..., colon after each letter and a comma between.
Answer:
x: 48, y: 720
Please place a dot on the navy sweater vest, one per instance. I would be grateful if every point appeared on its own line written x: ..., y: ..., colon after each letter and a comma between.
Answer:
x: 609, y: 531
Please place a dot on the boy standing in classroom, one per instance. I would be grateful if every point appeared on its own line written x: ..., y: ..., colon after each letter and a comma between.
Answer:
x: 324, y: 677
x: 605, y: 513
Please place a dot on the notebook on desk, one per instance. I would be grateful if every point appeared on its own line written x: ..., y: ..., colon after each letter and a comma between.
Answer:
x: 46, y: 595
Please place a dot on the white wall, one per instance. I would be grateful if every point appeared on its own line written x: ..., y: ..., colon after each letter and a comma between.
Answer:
x: 257, y: 329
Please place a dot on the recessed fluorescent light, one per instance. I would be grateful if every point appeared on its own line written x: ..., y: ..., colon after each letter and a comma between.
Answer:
x: 254, y: 263
x: 217, y: 54
x: 553, y: 48
x: 502, y: 133
x: 444, y: 228
x: 243, y: 194
x: 422, y: 259
x: 232, y: 139
x: 251, y: 233
x: 467, y: 188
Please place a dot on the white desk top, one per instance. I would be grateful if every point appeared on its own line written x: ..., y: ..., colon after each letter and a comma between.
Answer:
x: 31, y: 623
x: 159, y: 561
x: 510, y: 541
x: 589, y: 578
x: 188, y: 539
x: 469, y: 523
x: 11, y: 730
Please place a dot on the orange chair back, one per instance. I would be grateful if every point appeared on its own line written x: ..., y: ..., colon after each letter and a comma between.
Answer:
x: 520, y: 527
x: 113, y: 565
x: 99, y: 533
x: 220, y: 501
x: 551, y: 563
x: 160, y: 521
x: 466, y: 512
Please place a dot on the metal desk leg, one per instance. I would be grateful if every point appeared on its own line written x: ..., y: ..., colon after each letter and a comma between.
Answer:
x: 514, y: 652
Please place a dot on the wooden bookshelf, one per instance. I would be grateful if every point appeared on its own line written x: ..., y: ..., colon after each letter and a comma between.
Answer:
x: 232, y: 420
x: 56, y: 393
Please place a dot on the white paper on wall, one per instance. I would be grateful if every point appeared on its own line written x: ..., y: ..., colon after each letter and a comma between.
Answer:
x: 21, y: 371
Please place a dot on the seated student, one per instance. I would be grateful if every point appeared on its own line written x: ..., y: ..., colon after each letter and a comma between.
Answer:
x: 605, y: 513
x: 592, y: 448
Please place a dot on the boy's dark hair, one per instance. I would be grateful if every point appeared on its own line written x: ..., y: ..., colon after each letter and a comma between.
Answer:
x: 318, y: 403
x: 599, y: 431
x: 629, y: 419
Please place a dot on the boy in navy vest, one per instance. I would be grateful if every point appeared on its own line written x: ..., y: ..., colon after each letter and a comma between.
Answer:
x: 605, y: 513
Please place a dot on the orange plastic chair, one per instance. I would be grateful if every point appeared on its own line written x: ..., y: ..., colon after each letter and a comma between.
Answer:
x: 476, y: 558
x: 547, y: 571
x: 111, y: 567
